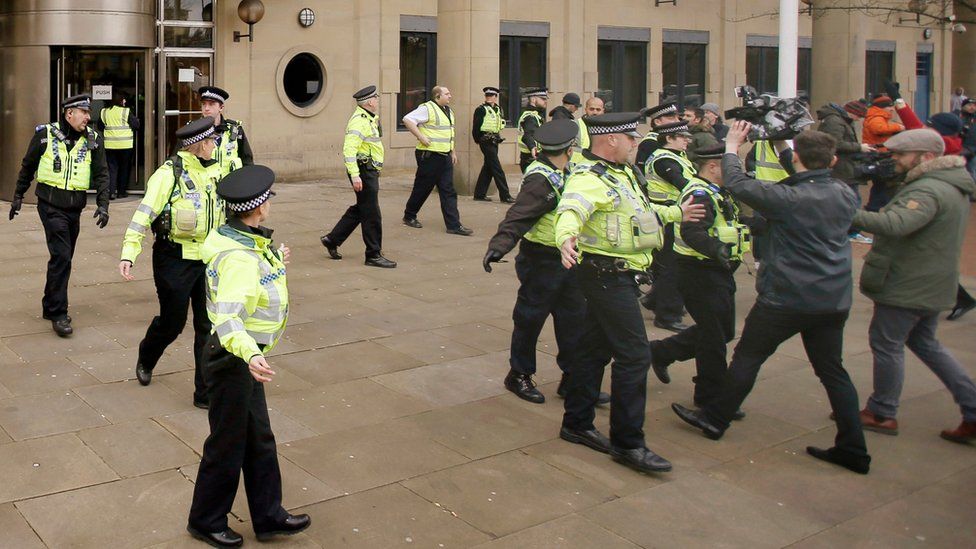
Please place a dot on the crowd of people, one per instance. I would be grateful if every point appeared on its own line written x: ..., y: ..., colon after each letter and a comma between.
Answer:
x: 602, y: 211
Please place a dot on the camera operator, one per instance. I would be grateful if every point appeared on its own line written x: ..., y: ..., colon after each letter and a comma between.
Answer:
x: 838, y: 122
x: 804, y: 288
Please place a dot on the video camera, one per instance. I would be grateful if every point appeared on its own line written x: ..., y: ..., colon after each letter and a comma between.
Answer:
x: 877, y: 167
x: 772, y: 118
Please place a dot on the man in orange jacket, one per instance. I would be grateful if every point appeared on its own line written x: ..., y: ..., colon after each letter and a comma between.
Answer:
x: 878, y: 127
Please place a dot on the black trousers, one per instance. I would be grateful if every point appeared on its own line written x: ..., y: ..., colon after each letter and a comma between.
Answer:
x: 524, y: 160
x: 709, y: 294
x: 365, y: 212
x: 180, y: 284
x: 613, y: 329
x: 878, y: 196
x: 61, y: 229
x: 668, y: 305
x: 119, y: 167
x: 547, y: 288
x: 823, y: 338
x: 434, y: 170
x: 491, y: 169
x: 240, y: 440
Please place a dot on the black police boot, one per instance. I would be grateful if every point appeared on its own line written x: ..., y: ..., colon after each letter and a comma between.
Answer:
x: 482, y: 199
x: 461, y: 230
x: 290, y: 526
x: 660, y: 366
x: 593, y: 438
x: 672, y: 326
x: 331, y: 248
x: 858, y: 464
x: 412, y: 223
x: 62, y: 326
x: 508, y: 200
x: 143, y: 374
x: 380, y: 261
x: 523, y: 387
x: 227, y: 538
x: 601, y: 400
x: 640, y: 459
x: 697, y: 419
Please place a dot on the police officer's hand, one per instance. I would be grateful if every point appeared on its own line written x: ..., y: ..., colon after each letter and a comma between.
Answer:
x: 260, y: 369
x: 493, y: 256
x: 424, y: 140
x: 692, y: 212
x: 738, y: 134
x: 453, y: 157
x: 357, y: 183
x: 125, y: 269
x: 724, y: 256
x: 101, y: 216
x: 15, y: 206
x: 569, y: 253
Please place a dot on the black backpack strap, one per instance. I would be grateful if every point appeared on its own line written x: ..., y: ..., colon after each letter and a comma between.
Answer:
x: 178, y: 173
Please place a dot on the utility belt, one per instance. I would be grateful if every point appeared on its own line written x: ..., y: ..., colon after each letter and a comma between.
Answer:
x: 529, y: 247
x: 367, y: 164
x: 491, y: 138
x: 603, y: 265
x: 424, y: 155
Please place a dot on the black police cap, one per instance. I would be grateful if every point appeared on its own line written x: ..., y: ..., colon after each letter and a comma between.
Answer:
x: 677, y: 128
x: 490, y: 90
x: 556, y: 135
x: 246, y: 188
x: 712, y: 152
x: 617, y: 122
x: 537, y: 92
x: 195, y: 131
x: 213, y: 93
x: 664, y: 109
x: 368, y: 92
x: 82, y: 101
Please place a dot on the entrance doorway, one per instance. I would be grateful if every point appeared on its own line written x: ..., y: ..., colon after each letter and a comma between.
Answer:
x: 102, y: 73
x: 181, y: 75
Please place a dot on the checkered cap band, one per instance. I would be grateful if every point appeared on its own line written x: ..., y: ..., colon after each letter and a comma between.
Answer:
x: 250, y: 204
x: 538, y: 94
x: 603, y: 130
x: 212, y: 95
x: 184, y: 143
x: 368, y: 97
x: 79, y: 104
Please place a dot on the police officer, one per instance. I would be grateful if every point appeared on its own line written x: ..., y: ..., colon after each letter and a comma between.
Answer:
x: 486, y: 130
x: 118, y: 124
x: 181, y: 207
x: 668, y: 171
x: 432, y: 123
x: 594, y: 107
x: 247, y: 298
x: 231, y: 141
x: 67, y: 158
x: 665, y: 113
x: 546, y: 287
x: 362, y: 152
x: 708, y: 251
x: 529, y: 121
x: 606, y: 224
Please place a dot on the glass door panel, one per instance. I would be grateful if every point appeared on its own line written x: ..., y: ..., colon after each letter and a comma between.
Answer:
x: 183, y: 75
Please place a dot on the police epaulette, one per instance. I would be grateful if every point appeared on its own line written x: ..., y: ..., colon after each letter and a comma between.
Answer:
x: 39, y: 128
x: 598, y: 169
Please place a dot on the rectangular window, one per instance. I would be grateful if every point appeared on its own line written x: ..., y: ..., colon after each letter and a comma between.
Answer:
x: 683, y: 66
x: 188, y: 10
x: 622, y: 75
x: 879, y: 67
x: 762, y: 69
x: 418, y: 71
x: 521, y: 65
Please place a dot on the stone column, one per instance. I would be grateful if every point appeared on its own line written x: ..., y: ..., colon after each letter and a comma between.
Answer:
x: 963, y: 56
x: 467, y: 60
x: 838, y: 53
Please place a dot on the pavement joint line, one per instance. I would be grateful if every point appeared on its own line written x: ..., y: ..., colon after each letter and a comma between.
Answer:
x: 454, y: 514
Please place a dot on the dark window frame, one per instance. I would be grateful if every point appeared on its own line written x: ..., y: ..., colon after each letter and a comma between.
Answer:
x: 873, y: 67
x: 682, y: 71
x: 430, y: 77
x: 802, y: 80
x: 616, y: 97
x: 513, y: 104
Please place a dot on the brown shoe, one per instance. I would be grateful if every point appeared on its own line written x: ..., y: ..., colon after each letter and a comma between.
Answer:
x: 883, y: 425
x: 966, y: 432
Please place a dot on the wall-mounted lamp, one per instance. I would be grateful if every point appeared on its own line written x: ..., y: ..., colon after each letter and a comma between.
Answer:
x: 250, y: 11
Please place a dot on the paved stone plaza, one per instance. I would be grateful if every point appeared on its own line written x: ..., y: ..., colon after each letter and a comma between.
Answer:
x: 394, y: 429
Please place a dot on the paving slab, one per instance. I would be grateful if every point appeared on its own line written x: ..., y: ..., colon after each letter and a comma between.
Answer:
x: 345, y: 362
x: 192, y: 427
x: 46, y: 465
x: 428, y: 347
x: 48, y: 414
x: 389, y: 516
x: 42, y: 376
x: 137, y: 448
x: 570, y: 531
x: 508, y: 492
x: 134, y: 512
x: 120, y: 365
x: 449, y: 383
x: 44, y: 346
x: 17, y: 533
x: 128, y: 400
x: 479, y: 335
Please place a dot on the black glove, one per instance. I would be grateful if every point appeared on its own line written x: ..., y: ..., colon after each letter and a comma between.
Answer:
x: 893, y: 89
x: 493, y: 256
x: 15, y: 206
x: 724, y: 256
x: 102, y: 217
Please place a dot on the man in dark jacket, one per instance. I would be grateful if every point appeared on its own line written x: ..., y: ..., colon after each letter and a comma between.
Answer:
x: 838, y: 122
x: 912, y: 273
x: 804, y: 288
x: 566, y: 111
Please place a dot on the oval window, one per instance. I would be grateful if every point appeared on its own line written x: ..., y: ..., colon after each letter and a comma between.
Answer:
x: 304, y: 79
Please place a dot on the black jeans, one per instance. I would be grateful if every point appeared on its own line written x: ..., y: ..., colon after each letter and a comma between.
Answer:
x: 240, y: 440
x: 365, y: 212
x: 668, y: 305
x: 492, y: 169
x: 180, y: 284
x: 524, y: 160
x: 613, y: 329
x: 547, y: 288
x: 119, y: 165
x: 434, y: 170
x: 878, y: 196
x: 709, y: 294
x: 823, y: 338
x: 61, y: 229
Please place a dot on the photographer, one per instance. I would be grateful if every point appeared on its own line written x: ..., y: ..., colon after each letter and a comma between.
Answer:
x: 838, y: 122
x: 804, y: 288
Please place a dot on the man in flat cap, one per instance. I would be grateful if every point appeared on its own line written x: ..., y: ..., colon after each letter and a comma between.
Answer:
x: 566, y: 111
x: 546, y: 287
x: 231, y: 142
x: 67, y: 158
x: 911, y: 274
x: 665, y: 113
x: 362, y: 152
x: 486, y: 130
x: 606, y: 229
x: 708, y: 252
x: 530, y: 120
